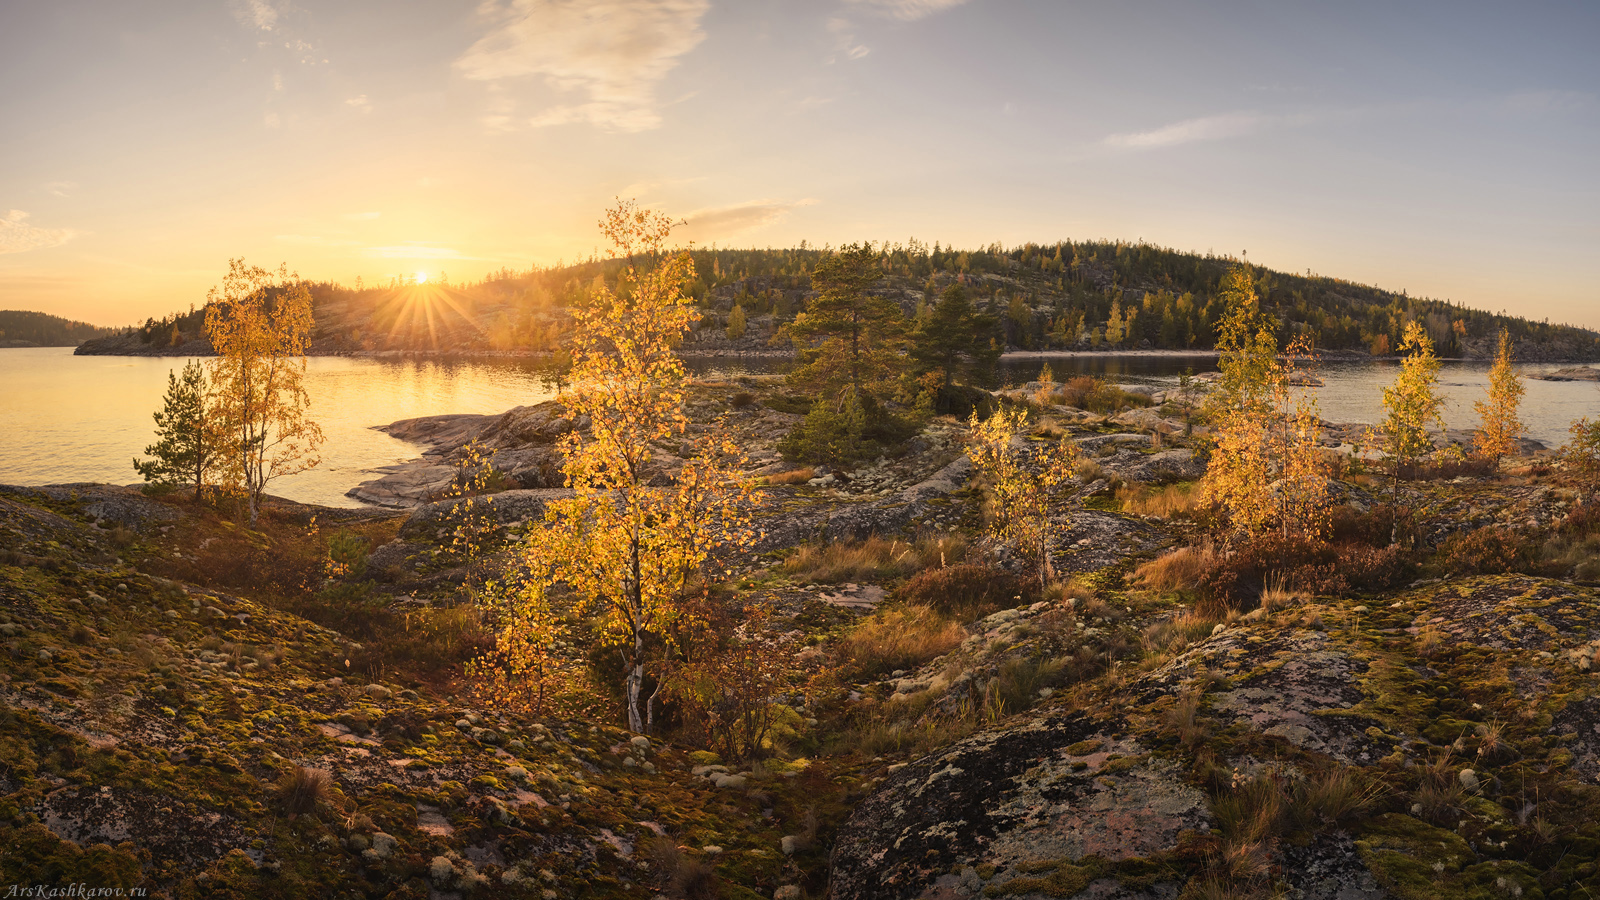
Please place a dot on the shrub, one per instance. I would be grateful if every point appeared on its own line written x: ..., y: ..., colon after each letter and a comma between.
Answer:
x: 1490, y: 550
x: 743, y: 400
x: 963, y: 590
x: 1077, y: 389
x: 902, y: 637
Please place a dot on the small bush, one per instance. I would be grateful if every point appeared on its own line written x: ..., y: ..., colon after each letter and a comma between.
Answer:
x: 743, y: 400
x: 963, y: 590
x: 1077, y: 390
x: 902, y: 637
x: 1485, y: 551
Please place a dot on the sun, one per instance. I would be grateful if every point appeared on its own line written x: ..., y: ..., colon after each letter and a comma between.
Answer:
x: 420, y: 278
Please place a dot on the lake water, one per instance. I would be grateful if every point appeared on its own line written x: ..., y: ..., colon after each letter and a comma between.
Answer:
x: 66, y: 418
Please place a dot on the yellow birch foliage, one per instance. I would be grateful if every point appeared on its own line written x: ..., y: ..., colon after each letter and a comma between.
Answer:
x: 1412, y: 402
x: 630, y: 548
x: 1020, y: 490
x: 1497, y: 438
x: 258, y: 322
x: 1266, y: 468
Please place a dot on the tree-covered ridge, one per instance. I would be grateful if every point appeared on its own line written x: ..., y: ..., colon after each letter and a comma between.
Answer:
x: 23, y: 328
x: 1089, y: 295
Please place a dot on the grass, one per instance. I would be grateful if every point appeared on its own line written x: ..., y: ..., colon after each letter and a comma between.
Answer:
x: 902, y: 637
x: 1178, y: 570
x: 873, y: 559
x: 1173, y: 501
x: 302, y: 790
x: 793, y: 476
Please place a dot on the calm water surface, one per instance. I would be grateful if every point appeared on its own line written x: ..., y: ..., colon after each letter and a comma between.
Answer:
x: 66, y: 418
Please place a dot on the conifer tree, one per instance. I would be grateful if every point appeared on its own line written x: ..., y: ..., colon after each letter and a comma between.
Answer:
x: 1497, y: 437
x: 184, y: 450
x: 846, y: 337
x: 955, y: 340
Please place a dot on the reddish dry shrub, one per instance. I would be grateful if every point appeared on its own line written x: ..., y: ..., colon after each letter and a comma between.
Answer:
x: 1583, y: 519
x: 1299, y: 563
x: 1077, y: 390
x: 1437, y: 469
x: 1374, y: 527
x: 965, y: 590
x: 1490, y: 550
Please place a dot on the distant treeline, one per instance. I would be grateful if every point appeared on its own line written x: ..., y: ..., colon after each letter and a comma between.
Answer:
x: 22, y: 328
x: 1087, y: 295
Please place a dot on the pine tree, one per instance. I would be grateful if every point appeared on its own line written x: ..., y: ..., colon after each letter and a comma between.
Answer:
x: 1497, y: 438
x: 955, y: 340
x: 184, y: 451
x: 847, y: 337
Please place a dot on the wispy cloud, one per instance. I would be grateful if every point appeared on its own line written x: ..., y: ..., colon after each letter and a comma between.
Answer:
x: 60, y: 188
x: 1206, y: 128
x: 414, y: 251
x: 257, y: 14
x: 17, y: 236
x: 907, y: 10
x: 359, y: 102
x: 724, y: 221
x: 362, y: 216
x: 613, y: 52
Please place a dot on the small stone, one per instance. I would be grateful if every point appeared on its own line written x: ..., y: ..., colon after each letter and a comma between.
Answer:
x: 463, y: 724
x: 44, y: 656
x: 789, y: 844
x: 377, y: 692
x: 517, y: 772
x: 356, y: 843
x: 1469, y: 780
x: 641, y: 742
x: 711, y: 850
x: 1219, y: 629
x: 729, y: 781
x: 787, y: 892
x: 441, y: 870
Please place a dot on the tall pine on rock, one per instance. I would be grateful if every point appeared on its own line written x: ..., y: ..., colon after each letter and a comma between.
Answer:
x: 184, y: 450
x: 847, y: 337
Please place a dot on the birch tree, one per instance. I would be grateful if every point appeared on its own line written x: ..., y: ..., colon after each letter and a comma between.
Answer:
x: 1497, y: 438
x: 1411, y: 404
x: 258, y: 322
x: 1021, y: 489
x: 628, y: 547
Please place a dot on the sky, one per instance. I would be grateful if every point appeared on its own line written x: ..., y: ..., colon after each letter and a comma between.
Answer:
x: 1445, y: 149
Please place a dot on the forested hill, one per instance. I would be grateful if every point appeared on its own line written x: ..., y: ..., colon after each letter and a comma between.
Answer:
x: 19, y: 328
x: 1067, y: 296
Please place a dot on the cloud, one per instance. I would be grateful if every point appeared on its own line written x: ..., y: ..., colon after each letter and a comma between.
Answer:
x: 718, y: 222
x: 1207, y: 128
x: 271, y: 120
x: 907, y: 10
x: 613, y: 52
x: 359, y: 102
x: 257, y: 14
x: 414, y: 251
x: 17, y: 236
x: 60, y: 188
x: 362, y: 216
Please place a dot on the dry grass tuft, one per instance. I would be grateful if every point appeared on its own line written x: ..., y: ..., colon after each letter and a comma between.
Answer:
x: 1181, y: 569
x: 1173, y: 501
x: 794, y: 476
x: 902, y: 637
x: 302, y: 790
x: 873, y: 559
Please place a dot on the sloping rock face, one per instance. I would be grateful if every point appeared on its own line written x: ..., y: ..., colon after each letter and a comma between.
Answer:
x: 1058, y: 788
x: 1468, y: 714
